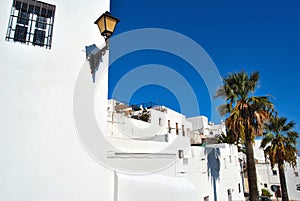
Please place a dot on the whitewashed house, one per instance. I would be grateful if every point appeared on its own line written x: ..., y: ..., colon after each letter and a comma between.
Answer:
x: 46, y: 88
x: 213, y: 170
x: 266, y: 176
x: 204, y: 131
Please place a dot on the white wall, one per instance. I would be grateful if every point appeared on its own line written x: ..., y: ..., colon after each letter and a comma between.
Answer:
x: 131, y: 136
x: 41, y: 156
x: 124, y: 127
x: 200, y: 123
x: 208, y: 171
x: 197, y: 173
x: 155, y: 187
x: 229, y: 176
x: 217, y: 129
x: 293, y: 180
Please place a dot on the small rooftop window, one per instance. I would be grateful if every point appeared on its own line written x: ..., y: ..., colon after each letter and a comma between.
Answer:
x: 31, y: 22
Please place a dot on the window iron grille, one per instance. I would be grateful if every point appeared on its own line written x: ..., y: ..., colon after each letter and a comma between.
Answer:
x: 31, y: 22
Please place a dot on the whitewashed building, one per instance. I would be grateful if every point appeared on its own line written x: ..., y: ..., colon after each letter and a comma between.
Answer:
x: 213, y: 170
x: 42, y: 157
x: 205, y: 132
x: 266, y: 176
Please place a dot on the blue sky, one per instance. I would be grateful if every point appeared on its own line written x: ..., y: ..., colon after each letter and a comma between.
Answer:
x: 248, y: 35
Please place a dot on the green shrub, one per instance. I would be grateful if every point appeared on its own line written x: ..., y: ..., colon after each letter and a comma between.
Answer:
x: 265, y: 192
x: 145, y: 116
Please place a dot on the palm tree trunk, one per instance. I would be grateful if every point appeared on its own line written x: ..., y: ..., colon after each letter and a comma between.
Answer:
x: 251, y: 169
x: 284, y: 192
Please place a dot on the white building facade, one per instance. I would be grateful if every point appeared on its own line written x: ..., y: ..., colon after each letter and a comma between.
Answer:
x: 267, y: 176
x: 213, y: 171
x: 41, y: 155
x: 205, y: 131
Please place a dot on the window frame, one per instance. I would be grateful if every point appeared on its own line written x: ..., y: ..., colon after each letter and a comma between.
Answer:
x: 34, y: 17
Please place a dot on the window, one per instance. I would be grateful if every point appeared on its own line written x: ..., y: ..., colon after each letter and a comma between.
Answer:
x: 41, y: 22
x: 183, y: 131
x: 296, y: 174
x: 203, y: 165
x: 31, y: 22
x: 265, y: 185
x: 169, y: 126
x: 274, y: 172
x: 160, y: 121
x: 180, y: 154
x: 188, y: 131
x: 298, y: 187
x: 239, y: 187
x: 39, y: 37
x: 20, y: 33
x: 23, y: 18
x: 177, y: 129
x: 229, y: 193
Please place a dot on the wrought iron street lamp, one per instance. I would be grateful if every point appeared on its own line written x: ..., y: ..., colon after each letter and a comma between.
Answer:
x: 107, y: 24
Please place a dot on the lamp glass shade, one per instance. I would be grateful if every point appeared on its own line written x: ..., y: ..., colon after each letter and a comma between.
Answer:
x: 110, y: 24
x: 106, y: 24
x: 101, y: 25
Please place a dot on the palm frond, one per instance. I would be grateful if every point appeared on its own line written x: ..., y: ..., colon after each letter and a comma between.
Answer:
x: 282, y: 140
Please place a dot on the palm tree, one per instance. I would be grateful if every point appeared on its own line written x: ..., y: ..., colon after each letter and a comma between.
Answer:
x: 279, y: 144
x: 225, y: 138
x: 228, y: 138
x: 246, y: 115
